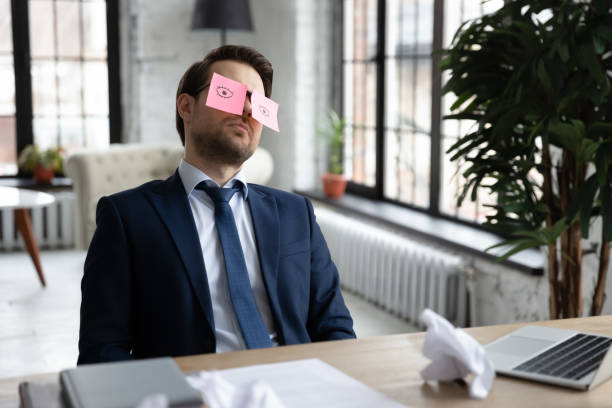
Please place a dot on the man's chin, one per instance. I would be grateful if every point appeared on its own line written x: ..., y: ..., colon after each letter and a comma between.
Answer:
x: 228, y: 154
x: 233, y: 149
x: 239, y: 146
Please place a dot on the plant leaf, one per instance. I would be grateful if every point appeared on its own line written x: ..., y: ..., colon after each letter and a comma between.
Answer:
x: 517, y: 246
x: 599, y: 44
x: 461, y: 99
x: 588, y: 57
x: 567, y: 136
x: 604, y: 32
x: 563, y: 51
x: 600, y: 127
x: 601, y: 166
x: 543, y: 77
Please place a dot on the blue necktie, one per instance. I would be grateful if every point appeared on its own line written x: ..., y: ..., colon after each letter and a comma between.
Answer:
x: 252, y: 325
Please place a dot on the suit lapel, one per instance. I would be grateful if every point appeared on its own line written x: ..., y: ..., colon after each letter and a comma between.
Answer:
x: 170, y: 201
x: 264, y: 214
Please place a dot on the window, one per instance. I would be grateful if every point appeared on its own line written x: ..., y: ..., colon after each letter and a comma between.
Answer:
x: 59, y: 61
x: 394, y: 150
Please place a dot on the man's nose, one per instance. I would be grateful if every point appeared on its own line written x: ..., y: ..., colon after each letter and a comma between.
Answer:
x: 248, y: 108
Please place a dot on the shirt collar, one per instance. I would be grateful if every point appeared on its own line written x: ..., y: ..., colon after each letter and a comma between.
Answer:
x: 191, y: 176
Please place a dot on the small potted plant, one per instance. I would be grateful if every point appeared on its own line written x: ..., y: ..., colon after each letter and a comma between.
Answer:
x: 334, y: 182
x: 41, y: 163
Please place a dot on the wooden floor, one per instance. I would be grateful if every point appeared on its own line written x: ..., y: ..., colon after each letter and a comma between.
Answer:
x: 39, y: 327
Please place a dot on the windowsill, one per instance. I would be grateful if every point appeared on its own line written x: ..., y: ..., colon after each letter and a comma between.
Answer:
x: 57, y: 183
x: 458, y: 236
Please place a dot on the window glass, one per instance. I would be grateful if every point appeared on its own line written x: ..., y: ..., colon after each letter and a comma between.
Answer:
x: 409, y: 34
x: 407, y: 167
x: 452, y: 182
x: 69, y: 88
x: 69, y: 72
x: 95, y: 91
x: 408, y: 103
x: 360, y: 42
x: 94, y: 29
x: 44, y: 88
x: 42, y: 34
x: 360, y: 29
x: 363, y: 154
x: 68, y: 28
x: 8, y: 137
x: 6, y: 27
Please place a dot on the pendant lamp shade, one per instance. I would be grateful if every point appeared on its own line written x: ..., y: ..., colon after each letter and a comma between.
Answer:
x: 223, y: 14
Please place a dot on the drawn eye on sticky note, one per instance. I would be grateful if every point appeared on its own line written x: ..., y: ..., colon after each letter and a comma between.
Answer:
x: 264, y: 110
x: 226, y: 94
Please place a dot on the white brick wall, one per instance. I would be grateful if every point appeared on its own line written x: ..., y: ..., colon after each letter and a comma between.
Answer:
x: 314, y: 88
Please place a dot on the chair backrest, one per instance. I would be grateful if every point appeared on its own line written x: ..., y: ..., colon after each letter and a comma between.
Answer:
x: 96, y: 173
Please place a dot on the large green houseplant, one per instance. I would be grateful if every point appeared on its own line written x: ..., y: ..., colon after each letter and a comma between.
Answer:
x: 535, y: 76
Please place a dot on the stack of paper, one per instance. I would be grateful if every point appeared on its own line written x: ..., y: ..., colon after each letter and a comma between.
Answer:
x: 309, y: 383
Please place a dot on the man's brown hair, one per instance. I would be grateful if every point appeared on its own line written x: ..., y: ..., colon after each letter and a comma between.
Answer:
x: 197, y: 74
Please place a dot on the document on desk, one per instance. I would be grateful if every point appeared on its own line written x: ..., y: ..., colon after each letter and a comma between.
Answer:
x: 310, y: 383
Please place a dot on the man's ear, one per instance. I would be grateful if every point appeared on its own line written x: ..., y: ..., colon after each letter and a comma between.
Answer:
x: 184, y: 105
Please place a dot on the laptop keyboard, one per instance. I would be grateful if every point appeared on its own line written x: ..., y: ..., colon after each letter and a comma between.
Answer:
x: 572, y: 359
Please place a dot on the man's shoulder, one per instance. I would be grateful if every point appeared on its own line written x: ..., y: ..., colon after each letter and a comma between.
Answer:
x: 136, y: 193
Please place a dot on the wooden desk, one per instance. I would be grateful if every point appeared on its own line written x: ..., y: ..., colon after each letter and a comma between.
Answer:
x: 391, y: 364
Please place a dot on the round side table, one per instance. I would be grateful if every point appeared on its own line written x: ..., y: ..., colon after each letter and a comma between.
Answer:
x: 21, y: 201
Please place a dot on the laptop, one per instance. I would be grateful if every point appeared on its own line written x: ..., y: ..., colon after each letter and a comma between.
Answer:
x: 555, y: 356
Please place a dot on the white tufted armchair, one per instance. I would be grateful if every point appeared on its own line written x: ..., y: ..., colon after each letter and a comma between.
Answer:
x: 96, y: 173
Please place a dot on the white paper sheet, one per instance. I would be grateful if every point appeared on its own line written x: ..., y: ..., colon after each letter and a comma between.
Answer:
x: 217, y: 392
x: 310, y: 383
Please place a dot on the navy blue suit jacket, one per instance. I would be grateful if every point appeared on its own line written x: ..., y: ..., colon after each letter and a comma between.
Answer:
x: 145, y: 291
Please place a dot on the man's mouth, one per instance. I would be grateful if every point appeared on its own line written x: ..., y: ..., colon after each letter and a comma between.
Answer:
x: 239, y: 125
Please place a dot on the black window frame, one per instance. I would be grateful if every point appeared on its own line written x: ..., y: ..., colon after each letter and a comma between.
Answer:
x: 377, y: 191
x: 23, y: 78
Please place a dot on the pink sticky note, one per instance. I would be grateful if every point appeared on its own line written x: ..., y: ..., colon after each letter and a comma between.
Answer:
x: 264, y: 110
x: 226, y: 94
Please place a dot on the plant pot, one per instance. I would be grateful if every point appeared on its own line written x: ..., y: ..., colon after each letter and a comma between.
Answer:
x: 334, y: 185
x: 43, y: 175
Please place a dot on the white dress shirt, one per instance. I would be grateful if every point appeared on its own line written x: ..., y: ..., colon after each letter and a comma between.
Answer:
x: 227, y: 329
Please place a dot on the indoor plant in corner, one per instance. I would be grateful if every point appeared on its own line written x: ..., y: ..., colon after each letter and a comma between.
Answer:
x: 536, y: 77
x: 41, y: 163
x: 334, y: 182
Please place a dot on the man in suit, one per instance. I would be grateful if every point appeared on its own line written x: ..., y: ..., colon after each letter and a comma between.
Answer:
x: 204, y: 262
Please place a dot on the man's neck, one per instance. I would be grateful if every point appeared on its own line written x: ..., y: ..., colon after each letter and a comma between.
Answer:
x: 220, y: 173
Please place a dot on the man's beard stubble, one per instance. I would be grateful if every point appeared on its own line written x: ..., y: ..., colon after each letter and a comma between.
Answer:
x: 219, y: 148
